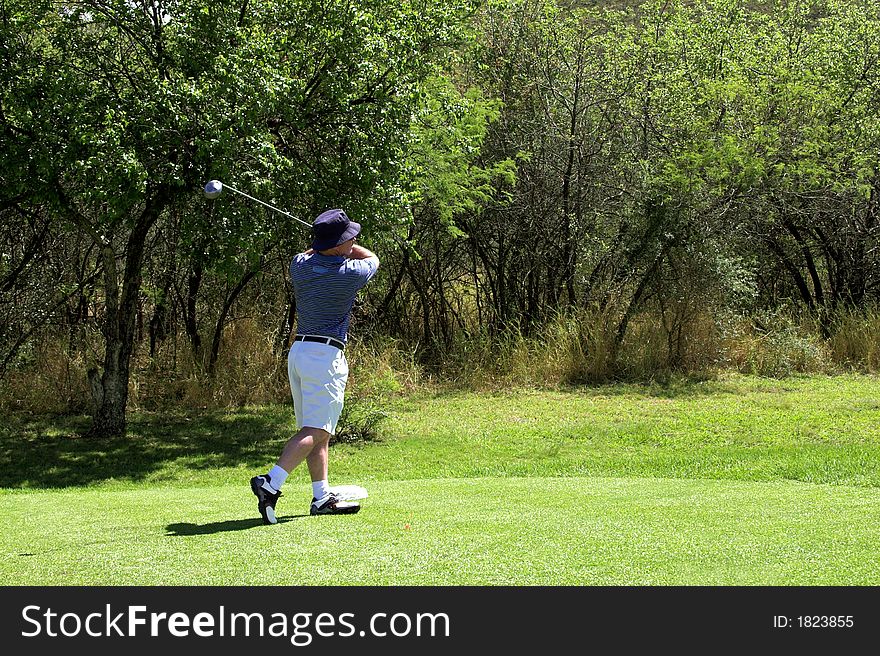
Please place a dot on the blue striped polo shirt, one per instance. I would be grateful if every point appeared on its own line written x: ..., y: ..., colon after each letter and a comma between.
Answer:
x: 324, y: 287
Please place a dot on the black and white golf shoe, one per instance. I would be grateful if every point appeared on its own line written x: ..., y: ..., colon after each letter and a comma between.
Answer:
x: 333, y: 505
x: 266, y: 499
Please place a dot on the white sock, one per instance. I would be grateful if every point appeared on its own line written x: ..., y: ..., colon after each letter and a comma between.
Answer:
x: 320, y: 489
x: 276, y: 477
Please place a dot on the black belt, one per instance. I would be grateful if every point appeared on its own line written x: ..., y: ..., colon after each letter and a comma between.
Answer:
x: 321, y: 340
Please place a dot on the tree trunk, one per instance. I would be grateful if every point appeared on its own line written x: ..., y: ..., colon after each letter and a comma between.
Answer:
x: 286, y: 329
x: 569, y: 250
x: 385, y: 305
x: 634, y: 304
x: 221, y: 320
x: 110, y: 388
x: 808, y: 260
x: 190, y: 320
x: 799, y: 280
x: 110, y: 391
x: 427, y: 333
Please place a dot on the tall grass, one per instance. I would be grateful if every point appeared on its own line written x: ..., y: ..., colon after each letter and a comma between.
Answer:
x: 773, y: 344
x: 574, y: 348
x: 579, y: 349
x: 52, y: 380
x: 855, y: 341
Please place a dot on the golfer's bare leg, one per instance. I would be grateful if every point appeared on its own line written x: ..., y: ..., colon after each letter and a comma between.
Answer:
x: 328, y: 503
x: 300, y: 446
x: 318, y: 458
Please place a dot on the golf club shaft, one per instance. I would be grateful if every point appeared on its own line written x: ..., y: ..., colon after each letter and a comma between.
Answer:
x: 271, y: 207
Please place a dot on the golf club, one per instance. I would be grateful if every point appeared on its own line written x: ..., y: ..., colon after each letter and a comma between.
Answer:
x: 214, y: 188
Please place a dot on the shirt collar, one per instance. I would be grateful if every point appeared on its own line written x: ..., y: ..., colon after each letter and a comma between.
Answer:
x: 329, y: 258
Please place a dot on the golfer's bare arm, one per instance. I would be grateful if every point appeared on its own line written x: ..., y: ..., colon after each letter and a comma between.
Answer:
x: 358, y: 252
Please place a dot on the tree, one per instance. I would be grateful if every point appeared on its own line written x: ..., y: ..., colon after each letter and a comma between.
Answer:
x: 116, y: 111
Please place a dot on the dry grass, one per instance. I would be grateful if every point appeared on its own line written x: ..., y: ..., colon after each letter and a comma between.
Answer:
x: 855, y: 341
x: 573, y: 349
x: 773, y: 345
x: 53, y: 381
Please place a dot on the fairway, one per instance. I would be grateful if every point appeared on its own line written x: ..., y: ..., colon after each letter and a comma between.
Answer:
x: 491, y: 531
x: 742, y: 481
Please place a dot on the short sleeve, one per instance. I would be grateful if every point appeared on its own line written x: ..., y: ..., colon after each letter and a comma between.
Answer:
x: 365, y: 269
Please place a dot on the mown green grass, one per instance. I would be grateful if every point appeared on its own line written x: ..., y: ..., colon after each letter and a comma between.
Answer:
x: 572, y: 531
x: 736, y: 481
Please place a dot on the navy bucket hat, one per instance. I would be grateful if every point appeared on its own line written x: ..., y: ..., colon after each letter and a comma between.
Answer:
x: 332, y: 228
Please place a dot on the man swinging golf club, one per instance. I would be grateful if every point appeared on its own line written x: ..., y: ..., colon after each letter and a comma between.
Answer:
x: 326, y: 279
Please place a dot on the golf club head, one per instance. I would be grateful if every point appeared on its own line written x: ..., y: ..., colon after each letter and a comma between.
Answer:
x: 213, y: 189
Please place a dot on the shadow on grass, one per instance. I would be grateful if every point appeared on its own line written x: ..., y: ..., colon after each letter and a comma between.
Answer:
x: 50, y: 452
x: 184, y: 529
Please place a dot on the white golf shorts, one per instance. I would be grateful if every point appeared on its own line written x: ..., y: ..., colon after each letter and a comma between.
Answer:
x: 318, y: 374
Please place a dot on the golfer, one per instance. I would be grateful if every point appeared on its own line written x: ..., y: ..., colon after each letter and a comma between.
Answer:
x: 326, y: 278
